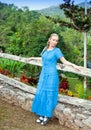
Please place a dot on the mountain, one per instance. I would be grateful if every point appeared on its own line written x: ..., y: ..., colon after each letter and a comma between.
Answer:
x: 52, y: 11
x: 56, y: 11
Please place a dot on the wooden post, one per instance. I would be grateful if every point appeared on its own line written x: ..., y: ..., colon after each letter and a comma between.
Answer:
x: 85, y: 50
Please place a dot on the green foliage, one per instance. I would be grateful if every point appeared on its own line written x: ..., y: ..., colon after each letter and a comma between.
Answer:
x: 14, y: 67
x: 31, y: 70
x: 79, y: 91
x: 89, y: 46
x: 77, y: 88
x: 79, y: 20
x: 73, y: 43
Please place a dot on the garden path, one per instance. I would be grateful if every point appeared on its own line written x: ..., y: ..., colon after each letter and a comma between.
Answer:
x: 15, y: 118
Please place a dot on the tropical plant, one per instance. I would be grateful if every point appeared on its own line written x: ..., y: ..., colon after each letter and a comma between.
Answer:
x: 13, y: 66
x: 79, y: 91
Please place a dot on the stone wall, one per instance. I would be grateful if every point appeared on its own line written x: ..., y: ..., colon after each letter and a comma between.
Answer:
x: 72, y: 112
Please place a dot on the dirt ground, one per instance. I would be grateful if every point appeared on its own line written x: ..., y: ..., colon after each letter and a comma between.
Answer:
x: 15, y: 118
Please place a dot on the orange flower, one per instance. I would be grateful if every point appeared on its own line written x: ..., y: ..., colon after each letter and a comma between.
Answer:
x: 89, y: 98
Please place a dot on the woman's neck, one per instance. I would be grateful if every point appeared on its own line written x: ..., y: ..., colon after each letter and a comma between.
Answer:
x: 50, y: 48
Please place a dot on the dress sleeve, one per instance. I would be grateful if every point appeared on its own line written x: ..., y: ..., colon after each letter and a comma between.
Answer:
x: 59, y: 53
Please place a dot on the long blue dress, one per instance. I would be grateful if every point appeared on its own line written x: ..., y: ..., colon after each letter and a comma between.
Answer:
x: 46, y: 96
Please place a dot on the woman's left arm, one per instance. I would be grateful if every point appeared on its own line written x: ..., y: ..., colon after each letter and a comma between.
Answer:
x: 65, y: 62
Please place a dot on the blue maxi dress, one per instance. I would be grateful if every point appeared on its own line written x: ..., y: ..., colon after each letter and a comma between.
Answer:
x: 46, y: 96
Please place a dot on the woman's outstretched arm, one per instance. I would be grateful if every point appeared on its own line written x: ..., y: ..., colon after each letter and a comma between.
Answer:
x: 33, y: 58
x: 66, y: 62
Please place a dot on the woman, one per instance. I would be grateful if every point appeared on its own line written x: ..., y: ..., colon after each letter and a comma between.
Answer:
x: 46, y: 96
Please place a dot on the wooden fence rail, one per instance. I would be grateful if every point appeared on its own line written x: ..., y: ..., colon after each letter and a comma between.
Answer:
x: 83, y: 71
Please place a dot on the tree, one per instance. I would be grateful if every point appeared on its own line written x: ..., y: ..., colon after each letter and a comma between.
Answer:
x: 78, y: 19
x: 81, y: 21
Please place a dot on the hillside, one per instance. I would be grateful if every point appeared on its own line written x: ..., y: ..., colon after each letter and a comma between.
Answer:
x: 52, y: 11
x: 56, y: 11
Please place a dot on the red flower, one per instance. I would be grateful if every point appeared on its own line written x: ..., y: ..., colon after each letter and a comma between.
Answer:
x: 30, y: 80
x: 23, y: 79
x: 64, y: 84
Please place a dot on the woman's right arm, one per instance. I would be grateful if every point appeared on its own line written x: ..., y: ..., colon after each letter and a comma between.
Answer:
x: 33, y: 58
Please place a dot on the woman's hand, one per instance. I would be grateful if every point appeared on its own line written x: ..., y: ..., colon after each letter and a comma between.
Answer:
x: 28, y: 59
x: 65, y: 62
x: 76, y: 67
x: 33, y: 58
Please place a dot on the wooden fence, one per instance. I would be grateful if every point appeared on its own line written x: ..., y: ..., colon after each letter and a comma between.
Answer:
x: 83, y: 71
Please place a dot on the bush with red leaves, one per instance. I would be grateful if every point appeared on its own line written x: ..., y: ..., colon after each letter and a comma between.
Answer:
x: 64, y: 84
x: 28, y: 80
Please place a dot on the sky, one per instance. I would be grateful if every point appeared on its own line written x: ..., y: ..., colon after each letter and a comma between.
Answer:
x: 37, y: 4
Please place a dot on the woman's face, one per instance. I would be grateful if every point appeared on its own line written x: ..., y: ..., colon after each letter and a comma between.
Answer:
x: 53, y: 41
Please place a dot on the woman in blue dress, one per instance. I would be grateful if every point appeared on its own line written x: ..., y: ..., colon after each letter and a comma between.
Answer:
x: 46, y: 96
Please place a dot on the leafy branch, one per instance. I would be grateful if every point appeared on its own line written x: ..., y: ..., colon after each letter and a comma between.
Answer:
x: 78, y: 20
